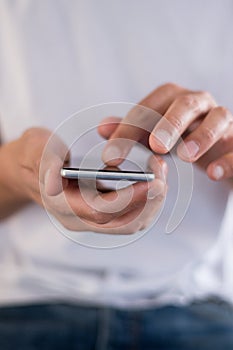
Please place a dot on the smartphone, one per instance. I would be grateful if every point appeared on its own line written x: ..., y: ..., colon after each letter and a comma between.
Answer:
x: 102, y: 174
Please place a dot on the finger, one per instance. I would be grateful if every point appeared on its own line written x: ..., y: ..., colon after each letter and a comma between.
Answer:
x: 88, y: 203
x: 54, y: 157
x: 108, y: 126
x: 180, y: 115
x: 139, y: 122
x: 132, y: 221
x: 51, y: 177
x: 206, y: 135
x: 222, y: 168
x: 158, y: 186
x: 134, y: 128
x: 159, y: 167
x: 126, y: 224
x: 122, y: 225
x: 126, y: 221
x: 104, y: 207
x: 139, y: 218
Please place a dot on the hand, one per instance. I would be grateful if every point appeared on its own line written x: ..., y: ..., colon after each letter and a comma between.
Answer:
x: 80, y: 206
x: 207, y: 130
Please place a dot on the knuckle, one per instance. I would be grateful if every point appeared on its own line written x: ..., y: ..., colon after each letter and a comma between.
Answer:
x: 30, y: 137
x: 136, y: 227
x: 176, y: 122
x: 208, y: 134
x: 225, y: 113
x: 206, y: 95
x: 30, y: 134
x: 99, y: 217
x: 146, y: 223
x: 169, y: 87
x: 66, y: 222
x: 33, y: 135
x: 190, y: 101
x: 131, y: 229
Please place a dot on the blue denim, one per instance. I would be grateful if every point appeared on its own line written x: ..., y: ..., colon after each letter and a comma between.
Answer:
x: 201, y: 325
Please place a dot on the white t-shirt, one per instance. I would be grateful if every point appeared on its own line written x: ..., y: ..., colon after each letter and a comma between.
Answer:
x: 57, y: 57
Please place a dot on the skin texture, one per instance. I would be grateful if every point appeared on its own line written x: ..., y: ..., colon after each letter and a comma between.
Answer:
x: 78, y: 207
x: 207, y: 131
x: 205, y: 127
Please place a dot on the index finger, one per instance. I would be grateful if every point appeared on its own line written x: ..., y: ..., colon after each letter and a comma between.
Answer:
x: 139, y: 122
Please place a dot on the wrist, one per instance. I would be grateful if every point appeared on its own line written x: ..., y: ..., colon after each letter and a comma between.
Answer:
x: 10, y: 180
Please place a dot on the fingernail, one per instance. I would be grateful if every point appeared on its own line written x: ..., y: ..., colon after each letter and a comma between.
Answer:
x: 189, y: 149
x: 218, y: 172
x: 163, y: 137
x: 111, y: 152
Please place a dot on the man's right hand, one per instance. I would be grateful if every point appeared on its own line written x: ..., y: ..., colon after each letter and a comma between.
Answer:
x: 78, y: 208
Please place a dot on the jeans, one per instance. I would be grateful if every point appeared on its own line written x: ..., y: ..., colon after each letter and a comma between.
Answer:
x: 200, y: 325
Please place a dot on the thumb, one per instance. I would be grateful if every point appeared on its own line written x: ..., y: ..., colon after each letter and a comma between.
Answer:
x: 51, y: 178
x: 51, y: 163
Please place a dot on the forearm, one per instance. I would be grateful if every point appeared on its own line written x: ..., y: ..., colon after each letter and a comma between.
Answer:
x: 11, y: 197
